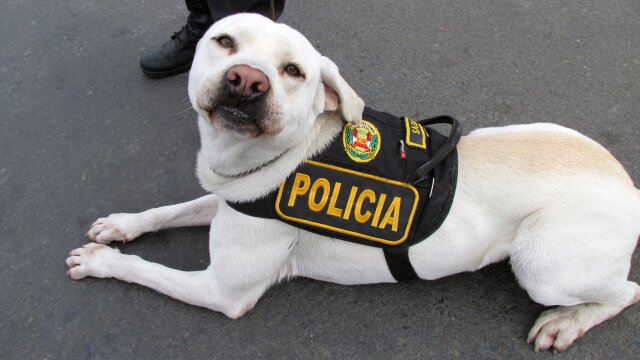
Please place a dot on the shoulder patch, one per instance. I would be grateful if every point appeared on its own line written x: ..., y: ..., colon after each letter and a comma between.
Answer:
x: 339, y: 200
x: 362, y: 141
x: 416, y: 136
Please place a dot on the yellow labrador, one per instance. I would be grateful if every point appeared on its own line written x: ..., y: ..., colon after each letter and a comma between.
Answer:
x: 554, y: 202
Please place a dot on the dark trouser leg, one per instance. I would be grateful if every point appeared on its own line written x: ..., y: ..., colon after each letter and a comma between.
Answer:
x: 199, y: 16
x: 222, y: 8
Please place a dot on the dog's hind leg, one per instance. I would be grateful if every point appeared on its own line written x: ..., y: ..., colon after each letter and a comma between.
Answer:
x: 126, y: 227
x: 561, y: 326
x: 578, y: 259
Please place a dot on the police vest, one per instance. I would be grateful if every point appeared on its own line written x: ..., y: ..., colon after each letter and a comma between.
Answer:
x: 387, y: 182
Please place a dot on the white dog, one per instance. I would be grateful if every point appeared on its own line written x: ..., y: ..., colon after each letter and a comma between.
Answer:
x: 554, y: 202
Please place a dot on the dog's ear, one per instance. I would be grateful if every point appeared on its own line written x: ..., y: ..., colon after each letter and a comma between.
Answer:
x: 338, y: 94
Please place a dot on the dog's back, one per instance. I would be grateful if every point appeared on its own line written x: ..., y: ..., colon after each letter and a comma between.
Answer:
x: 544, y: 150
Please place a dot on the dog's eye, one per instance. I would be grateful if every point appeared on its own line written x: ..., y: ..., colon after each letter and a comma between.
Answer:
x: 225, y: 41
x: 293, y: 70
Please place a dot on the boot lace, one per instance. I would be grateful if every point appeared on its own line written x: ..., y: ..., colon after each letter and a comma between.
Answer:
x: 188, y: 33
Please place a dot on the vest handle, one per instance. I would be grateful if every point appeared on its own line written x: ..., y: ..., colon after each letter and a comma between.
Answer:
x: 454, y: 136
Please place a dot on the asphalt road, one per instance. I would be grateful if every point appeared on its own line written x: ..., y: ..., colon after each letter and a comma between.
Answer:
x: 83, y: 133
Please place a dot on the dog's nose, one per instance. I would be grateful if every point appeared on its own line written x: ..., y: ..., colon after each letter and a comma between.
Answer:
x: 245, y: 81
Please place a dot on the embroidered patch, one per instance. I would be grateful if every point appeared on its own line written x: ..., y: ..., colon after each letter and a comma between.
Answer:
x: 349, y: 202
x: 361, y: 142
x: 416, y: 136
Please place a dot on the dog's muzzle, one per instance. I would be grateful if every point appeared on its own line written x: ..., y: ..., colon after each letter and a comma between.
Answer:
x: 241, y: 104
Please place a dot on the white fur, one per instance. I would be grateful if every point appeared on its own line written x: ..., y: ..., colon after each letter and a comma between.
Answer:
x: 569, y: 234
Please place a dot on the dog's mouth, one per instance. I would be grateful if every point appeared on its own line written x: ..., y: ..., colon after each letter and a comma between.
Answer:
x: 231, y: 113
x: 243, y: 120
x: 235, y: 119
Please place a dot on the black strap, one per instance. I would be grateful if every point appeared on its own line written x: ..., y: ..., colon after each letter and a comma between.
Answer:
x: 397, y: 257
x: 446, y: 148
x: 398, y: 262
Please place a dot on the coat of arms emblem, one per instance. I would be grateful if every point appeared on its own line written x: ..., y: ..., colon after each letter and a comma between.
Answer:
x: 361, y: 141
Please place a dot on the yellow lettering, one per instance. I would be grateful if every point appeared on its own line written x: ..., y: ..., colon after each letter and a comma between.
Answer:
x: 392, y: 216
x: 352, y: 197
x: 300, y: 186
x: 376, y: 216
x: 320, y: 183
x: 360, y: 217
x: 333, y: 210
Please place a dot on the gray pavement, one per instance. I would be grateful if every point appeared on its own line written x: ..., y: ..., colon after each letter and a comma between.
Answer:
x: 83, y: 133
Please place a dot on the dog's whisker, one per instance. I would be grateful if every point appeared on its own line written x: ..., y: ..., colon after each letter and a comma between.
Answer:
x: 183, y: 111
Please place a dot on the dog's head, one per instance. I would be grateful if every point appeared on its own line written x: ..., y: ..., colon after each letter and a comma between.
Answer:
x: 254, y: 79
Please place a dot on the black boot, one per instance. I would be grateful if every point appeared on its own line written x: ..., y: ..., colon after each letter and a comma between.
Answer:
x: 175, y: 56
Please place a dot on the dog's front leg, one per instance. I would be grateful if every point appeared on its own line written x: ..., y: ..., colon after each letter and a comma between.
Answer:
x: 200, y: 288
x: 126, y: 227
x: 247, y: 256
x: 102, y: 261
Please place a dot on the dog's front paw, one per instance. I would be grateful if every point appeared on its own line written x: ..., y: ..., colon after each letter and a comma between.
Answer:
x: 116, y: 227
x: 92, y: 260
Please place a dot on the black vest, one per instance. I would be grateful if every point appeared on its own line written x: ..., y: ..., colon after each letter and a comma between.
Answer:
x: 388, y: 182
